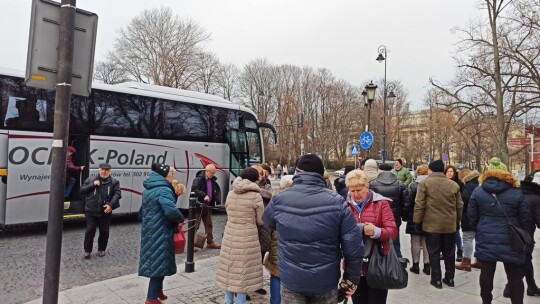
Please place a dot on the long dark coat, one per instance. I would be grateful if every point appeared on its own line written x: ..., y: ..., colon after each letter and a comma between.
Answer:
x: 160, y: 216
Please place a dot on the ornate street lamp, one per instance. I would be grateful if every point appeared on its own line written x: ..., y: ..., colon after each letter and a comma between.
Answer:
x: 369, y: 97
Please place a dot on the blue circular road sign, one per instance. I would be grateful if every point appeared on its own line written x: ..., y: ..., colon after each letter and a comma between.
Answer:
x: 366, y: 140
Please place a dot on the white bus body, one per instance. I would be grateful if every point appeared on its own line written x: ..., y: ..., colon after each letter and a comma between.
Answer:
x: 25, y: 155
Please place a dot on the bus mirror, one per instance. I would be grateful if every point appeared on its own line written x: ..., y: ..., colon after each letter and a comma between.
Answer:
x: 271, y: 127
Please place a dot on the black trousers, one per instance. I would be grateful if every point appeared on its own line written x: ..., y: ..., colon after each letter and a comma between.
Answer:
x: 445, y: 243
x: 102, y: 222
x: 514, y: 275
x: 367, y: 295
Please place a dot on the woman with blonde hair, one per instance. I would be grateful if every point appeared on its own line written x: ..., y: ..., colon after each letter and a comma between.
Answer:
x: 418, y: 238
x: 375, y: 217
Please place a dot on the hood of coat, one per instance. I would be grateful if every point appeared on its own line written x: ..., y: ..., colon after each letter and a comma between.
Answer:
x: 467, y: 178
x: 530, y: 187
x: 386, y: 178
x: 420, y: 178
x: 497, y: 181
x: 371, y: 165
x: 241, y: 185
x: 154, y: 180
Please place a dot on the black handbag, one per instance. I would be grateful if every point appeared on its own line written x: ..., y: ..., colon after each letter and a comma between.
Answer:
x: 387, y: 271
x: 523, y: 242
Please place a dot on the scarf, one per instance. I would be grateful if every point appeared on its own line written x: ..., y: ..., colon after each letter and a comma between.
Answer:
x: 360, y: 205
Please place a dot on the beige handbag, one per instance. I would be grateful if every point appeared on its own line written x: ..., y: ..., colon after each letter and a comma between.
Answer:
x: 200, y: 238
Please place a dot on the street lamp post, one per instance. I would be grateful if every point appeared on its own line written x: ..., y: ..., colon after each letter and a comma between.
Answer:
x: 383, y: 56
x: 369, y: 97
x: 368, y: 108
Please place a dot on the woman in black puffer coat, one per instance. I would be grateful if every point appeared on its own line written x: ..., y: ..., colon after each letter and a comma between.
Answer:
x: 493, y: 239
x: 470, y: 180
x: 418, y: 239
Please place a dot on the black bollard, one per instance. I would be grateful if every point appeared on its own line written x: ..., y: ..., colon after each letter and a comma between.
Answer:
x: 190, y: 265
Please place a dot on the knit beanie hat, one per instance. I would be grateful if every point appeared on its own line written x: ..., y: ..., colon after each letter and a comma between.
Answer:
x: 161, y: 169
x: 436, y: 166
x: 286, y: 182
x: 496, y: 164
x: 310, y: 163
x: 250, y: 174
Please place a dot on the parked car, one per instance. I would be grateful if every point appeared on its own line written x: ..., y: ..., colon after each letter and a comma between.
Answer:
x: 339, y: 172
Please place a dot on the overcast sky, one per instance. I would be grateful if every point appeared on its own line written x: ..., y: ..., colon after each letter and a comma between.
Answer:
x: 341, y: 35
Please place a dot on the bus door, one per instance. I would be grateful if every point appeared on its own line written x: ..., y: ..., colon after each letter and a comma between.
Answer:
x: 239, y: 154
x: 74, y: 203
x: 238, y: 157
x: 3, y: 174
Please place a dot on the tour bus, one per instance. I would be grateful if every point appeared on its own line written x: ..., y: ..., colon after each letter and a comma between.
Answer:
x: 128, y: 125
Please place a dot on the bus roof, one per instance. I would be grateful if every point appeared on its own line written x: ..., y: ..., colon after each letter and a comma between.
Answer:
x: 156, y: 91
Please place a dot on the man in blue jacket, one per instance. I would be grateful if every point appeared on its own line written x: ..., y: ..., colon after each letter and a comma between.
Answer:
x: 315, y: 230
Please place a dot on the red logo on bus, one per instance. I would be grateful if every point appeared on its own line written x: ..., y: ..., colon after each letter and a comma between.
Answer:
x: 205, y: 160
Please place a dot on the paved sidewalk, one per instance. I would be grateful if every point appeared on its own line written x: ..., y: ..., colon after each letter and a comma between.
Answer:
x: 199, y: 287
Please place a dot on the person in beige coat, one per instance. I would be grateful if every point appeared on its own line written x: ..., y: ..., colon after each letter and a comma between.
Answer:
x: 239, y: 269
x: 371, y: 169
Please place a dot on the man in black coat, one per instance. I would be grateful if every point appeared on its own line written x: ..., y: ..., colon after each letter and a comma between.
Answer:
x: 387, y: 184
x: 102, y: 195
x: 208, y: 193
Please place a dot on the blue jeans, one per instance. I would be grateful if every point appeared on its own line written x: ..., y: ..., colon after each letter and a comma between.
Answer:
x: 294, y: 297
x: 397, y: 244
x: 275, y: 289
x: 69, y: 186
x: 240, y: 297
x: 155, y: 285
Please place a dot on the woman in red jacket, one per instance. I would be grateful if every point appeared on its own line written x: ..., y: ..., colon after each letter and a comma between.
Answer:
x: 373, y: 213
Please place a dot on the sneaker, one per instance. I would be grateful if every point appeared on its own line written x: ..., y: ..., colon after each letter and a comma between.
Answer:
x: 101, y: 254
x: 87, y: 255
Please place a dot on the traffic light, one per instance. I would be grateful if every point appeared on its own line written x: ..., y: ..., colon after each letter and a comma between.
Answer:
x: 300, y: 120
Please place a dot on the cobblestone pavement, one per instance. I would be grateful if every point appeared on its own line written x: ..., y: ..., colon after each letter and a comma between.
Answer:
x: 22, y: 256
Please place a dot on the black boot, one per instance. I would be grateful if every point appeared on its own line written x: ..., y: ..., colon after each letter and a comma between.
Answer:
x: 415, y: 268
x: 533, y: 290
x: 506, y: 291
x: 459, y: 256
x: 427, y: 269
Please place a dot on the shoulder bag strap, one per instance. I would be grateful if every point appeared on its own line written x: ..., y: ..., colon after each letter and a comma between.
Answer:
x: 504, y: 212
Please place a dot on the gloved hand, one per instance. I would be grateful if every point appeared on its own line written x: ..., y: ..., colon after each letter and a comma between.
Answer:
x: 176, y: 229
x: 344, y: 287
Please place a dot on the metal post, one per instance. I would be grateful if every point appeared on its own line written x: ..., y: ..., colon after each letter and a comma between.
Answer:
x: 532, y: 151
x: 368, y: 116
x: 59, y: 147
x: 190, y: 265
x: 384, y: 110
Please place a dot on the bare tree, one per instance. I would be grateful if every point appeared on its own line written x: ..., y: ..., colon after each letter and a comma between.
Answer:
x: 486, y: 78
x: 227, y: 80
x: 109, y: 73
x: 160, y: 48
x: 207, y: 68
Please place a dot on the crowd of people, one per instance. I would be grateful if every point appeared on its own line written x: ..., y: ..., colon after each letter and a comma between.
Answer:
x: 316, y: 241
